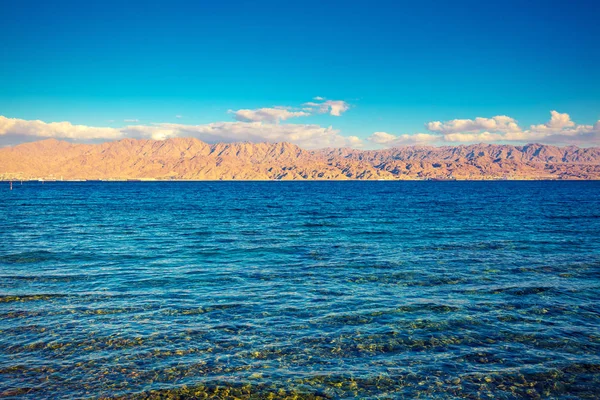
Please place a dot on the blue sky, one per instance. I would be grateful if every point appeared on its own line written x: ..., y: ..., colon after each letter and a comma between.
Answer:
x: 398, y: 65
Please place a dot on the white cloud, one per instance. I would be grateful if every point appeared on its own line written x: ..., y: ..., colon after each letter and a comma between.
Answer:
x: 389, y: 140
x: 382, y: 138
x: 305, y: 135
x: 473, y: 137
x: 336, y: 108
x: 557, y: 122
x: 274, y: 114
x: 281, y: 113
x: 179, y: 116
x: 500, y: 123
x: 65, y: 130
x: 333, y: 107
x: 255, y: 125
x: 560, y: 129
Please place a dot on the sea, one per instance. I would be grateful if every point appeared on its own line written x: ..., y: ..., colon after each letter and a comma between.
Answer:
x: 300, y: 290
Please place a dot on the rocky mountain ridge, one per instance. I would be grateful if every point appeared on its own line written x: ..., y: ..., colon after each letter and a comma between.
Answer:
x: 192, y: 159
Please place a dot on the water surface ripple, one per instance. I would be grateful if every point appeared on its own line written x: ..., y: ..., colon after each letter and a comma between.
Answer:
x: 300, y: 290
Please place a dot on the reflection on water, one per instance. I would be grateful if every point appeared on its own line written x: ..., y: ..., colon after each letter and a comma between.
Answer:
x: 300, y: 290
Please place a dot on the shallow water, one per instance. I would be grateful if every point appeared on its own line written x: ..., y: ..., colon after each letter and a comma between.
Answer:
x: 300, y: 289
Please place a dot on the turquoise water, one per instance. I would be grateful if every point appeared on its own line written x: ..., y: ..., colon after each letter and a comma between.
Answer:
x: 300, y: 289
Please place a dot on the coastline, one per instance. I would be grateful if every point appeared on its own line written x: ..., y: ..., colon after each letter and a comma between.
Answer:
x: 484, y: 179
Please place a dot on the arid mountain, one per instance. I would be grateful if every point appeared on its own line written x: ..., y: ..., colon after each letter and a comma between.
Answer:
x: 188, y: 158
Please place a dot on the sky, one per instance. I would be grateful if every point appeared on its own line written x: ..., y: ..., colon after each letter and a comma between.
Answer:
x: 363, y: 74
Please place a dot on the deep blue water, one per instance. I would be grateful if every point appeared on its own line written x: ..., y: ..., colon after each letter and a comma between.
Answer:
x: 308, y: 289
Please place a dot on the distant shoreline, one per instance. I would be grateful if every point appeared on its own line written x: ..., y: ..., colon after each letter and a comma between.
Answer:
x: 289, y: 180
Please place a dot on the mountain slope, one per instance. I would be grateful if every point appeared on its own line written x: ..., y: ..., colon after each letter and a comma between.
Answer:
x: 189, y: 158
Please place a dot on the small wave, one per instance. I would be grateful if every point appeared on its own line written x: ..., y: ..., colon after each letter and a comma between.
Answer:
x: 28, y: 257
x: 47, y: 278
x: 29, y: 297
x: 517, y: 290
x: 317, y: 224
x: 572, y: 217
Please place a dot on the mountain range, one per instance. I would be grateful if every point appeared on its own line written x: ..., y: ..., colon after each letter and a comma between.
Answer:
x: 192, y: 159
